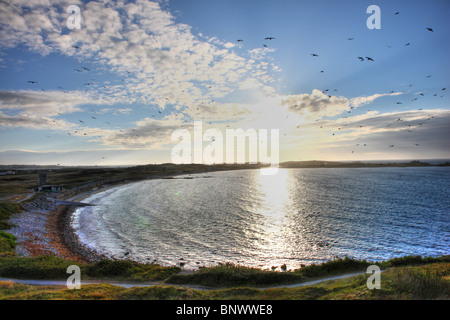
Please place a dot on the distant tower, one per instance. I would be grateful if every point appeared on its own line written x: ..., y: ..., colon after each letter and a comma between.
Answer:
x: 42, y: 178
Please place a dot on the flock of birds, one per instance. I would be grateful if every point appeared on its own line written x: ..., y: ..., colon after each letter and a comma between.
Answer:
x: 269, y: 38
x: 366, y: 58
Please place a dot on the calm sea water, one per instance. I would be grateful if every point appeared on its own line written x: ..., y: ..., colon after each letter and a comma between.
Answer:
x: 298, y: 216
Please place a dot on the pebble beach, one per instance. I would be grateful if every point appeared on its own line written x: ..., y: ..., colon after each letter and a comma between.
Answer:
x: 43, y: 228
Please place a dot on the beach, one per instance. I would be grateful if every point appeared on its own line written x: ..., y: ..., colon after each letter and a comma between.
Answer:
x: 43, y: 228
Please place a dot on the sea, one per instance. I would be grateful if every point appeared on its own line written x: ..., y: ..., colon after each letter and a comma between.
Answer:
x: 295, y: 217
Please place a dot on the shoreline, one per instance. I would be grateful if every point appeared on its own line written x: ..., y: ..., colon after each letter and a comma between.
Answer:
x: 57, y: 237
x: 45, y: 229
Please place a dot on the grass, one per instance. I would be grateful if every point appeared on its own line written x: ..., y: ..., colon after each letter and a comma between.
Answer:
x: 54, y: 268
x: 6, y: 211
x: 26, y: 179
x: 43, y: 267
x: 229, y: 275
x: 426, y: 281
x: 341, y: 265
x: 7, y: 242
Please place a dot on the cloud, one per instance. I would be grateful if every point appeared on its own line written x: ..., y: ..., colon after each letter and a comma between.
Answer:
x: 44, y: 102
x: 373, y: 133
x: 159, y: 56
x: 317, y: 104
x: 33, y: 122
x: 147, y: 133
x: 359, y: 101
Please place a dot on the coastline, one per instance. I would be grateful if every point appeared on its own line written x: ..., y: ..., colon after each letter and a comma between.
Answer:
x: 57, y: 237
x: 44, y: 227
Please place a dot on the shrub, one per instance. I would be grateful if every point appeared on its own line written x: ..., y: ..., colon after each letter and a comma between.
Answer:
x: 130, y: 269
x: 7, y: 242
x: 42, y: 267
x: 231, y: 275
x: 421, y: 285
x: 334, y: 266
x: 8, y: 209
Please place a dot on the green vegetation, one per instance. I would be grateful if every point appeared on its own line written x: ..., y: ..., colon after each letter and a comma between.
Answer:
x: 225, y: 275
x: 129, y: 270
x: 427, y: 281
x: 26, y: 178
x: 43, y: 267
x: 7, y: 241
x: 51, y: 267
x: 6, y: 211
x: 229, y: 275
x: 336, y: 266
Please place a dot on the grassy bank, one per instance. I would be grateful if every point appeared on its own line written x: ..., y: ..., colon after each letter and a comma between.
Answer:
x: 225, y: 275
x: 54, y: 268
x: 7, y: 241
x: 427, y: 281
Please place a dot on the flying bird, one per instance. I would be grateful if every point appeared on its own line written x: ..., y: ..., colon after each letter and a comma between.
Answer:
x: 239, y: 40
x: 407, y: 44
x: 350, y: 38
x: 369, y: 59
x: 314, y: 55
x: 396, y: 13
x: 361, y: 58
x: 32, y: 82
x: 269, y: 38
x: 429, y: 29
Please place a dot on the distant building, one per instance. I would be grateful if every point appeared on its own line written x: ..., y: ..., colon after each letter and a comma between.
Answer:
x: 42, y: 178
x: 50, y: 188
x: 5, y: 173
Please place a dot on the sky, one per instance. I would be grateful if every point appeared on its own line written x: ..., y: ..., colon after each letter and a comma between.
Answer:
x: 115, y: 90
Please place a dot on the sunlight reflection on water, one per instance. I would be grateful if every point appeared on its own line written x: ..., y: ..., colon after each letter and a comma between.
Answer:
x: 298, y: 216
